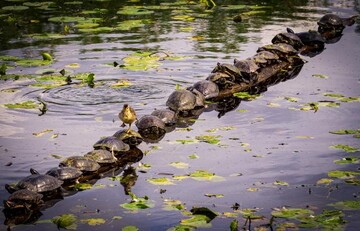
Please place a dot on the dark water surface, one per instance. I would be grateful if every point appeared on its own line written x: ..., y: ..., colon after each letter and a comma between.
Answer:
x: 268, y: 142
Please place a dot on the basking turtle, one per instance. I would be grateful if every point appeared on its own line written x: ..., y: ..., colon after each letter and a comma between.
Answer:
x: 208, y: 88
x: 310, y: 38
x: 24, y: 199
x: 150, y: 124
x: 112, y: 144
x: 283, y: 50
x: 101, y: 156
x: 166, y: 115
x: 130, y: 137
x: 232, y: 71
x: 223, y: 80
x: 334, y: 22
x: 37, y: 183
x: 269, y: 57
x: 65, y: 174
x: 289, y: 38
x: 248, y: 69
x: 80, y: 162
x: 184, y: 100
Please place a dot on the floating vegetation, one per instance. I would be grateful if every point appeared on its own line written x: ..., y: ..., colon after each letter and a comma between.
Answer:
x: 347, y: 205
x: 320, y: 76
x: 345, y: 147
x: 219, y: 195
x: 250, y: 213
x: 33, y: 62
x: 173, y: 205
x: 203, y: 175
x: 292, y: 213
x: 22, y: 105
x: 138, y: 203
x: 246, y: 95
x: 345, y: 131
x: 347, y: 160
x: 15, y: 8
x: 326, y: 181
x: 208, y: 139
x: 343, y: 98
x: 282, y: 183
x: 131, y: 24
x: 82, y: 186
x: 160, y: 181
x: 134, y: 10
x: 93, y: 221
x: 179, y: 164
x: 65, y: 221
x: 39, y: 134
x: 343, y: 174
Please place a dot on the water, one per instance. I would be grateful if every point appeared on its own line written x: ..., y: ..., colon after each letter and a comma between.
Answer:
x: 257, y: 147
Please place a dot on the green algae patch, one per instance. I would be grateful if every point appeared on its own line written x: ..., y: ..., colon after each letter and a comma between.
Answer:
x: 66, y: 19
x: 347, y: 160
x: 345, y: 131
x: 160, y: 181
x: 23, y: 105
x: 282, y: 183
x: 33, y: 62
x: 171, y: 205
x: 15, y: 8
x: 208, y: 139
x: 343, y: 174
x: 250, y: 213
x: 344, y: 147
x: 94, y: 221
x: 140, y: 61
x: 82, y: 186
x: 65, y: 221
x: 196, y: 221
x: 246, y: 95
x: 130, y: 228
x: 131, y: 24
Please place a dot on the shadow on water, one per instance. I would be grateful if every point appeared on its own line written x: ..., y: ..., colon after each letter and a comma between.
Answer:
x: 217, y: 36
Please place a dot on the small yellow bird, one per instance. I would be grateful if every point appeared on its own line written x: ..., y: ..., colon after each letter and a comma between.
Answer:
x: 127, y: 116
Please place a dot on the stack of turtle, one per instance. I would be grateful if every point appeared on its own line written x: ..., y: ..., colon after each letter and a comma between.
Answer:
x: 29, y: 192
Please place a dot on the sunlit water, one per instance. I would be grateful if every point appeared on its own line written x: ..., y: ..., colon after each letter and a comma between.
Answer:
x: 283, y: 144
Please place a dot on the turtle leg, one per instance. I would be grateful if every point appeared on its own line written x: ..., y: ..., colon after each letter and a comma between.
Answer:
x: 112, y: 152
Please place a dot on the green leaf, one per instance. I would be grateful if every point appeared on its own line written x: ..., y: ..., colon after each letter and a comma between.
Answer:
x: 197, y: 221
x: 250, y: 213
x: 94, y: 221
x: 82, y: 186
x: 346, y: 148
x: 343, y: 174
x: 292, y: 213
x: 347, y: 160
x: 46, y: 56
x: 65, y: 221
x: 208, y: 139
x: 23, y: 105
x: 347, y: 205
x: 203, y: 175
x: 138, y: 203
x: 214, y: 195
x: 193, y: 156
x: 279, y: 182
x: 187, y: 141
x: 345, y: 131
x: 130, y: 228
x: 245, y: 95
x: 180, y: 165
x: 160, y: 181
x: 33, y: 62
x: 3, y: 69
x: 173, y: 205
x: 324, y: 181
x: 234, y: 225
x: 320, y: 76
x: 353, y: 181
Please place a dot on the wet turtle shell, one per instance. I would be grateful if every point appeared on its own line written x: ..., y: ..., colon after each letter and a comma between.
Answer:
x: 150, y: 124
x: 101, y: 156
x: 80, y: 162
x: 310, y: 38
x: 166, y: 115
x: 265, y: 57
x: 223, y: 80
x: 208, y: 88
x: 183, y: 100
x: 65, y: 173
x: 227, y: 69
x: 23, y: 198
x: 248, y: 69
x: 37, y: 183
x: 130, y: 137
x: 331, y: 20
x: 281, y: 49
x: 289, y: 38
x: 112, y: 144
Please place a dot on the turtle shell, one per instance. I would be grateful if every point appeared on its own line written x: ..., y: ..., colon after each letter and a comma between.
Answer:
x: 166, y: 115
x: 150, y: 124
x: 23, y: 198
x: 39, y: 183
x: 281, y: 49
x: 289, y: 38
x: 248, y: 69
x: 331, y: 20
x: 208, y: 88
x: 130, y: 137
x: 65, y: 173
x: 181, y: 100
x: 101, y: 156
x: 223, y: 80
x: 227, y: 69
x: 309, y: 38
x: 80, y: 162
x: 111, y: 143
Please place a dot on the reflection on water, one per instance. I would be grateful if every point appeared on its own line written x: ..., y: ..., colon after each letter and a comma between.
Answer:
x: 261, y: 141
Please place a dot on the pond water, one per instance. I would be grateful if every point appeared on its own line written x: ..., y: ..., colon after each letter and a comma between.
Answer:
x: 270, y: 154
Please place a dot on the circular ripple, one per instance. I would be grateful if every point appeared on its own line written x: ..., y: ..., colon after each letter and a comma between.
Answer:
x: 81, y: 99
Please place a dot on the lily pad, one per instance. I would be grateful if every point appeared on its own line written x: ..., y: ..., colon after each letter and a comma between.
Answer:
x: 130, y: 228
x: 32, y: 62
x: 292, y: 213
x: 82, y: 186
x: 140, y: 61
x: 250, y: 213
x: 180, y: 165
x: 15, y: 8
x: 282, y: 183
x: 138, y: 203
x: 345, y: 131
x: 203, y: 175
x: 197, y: 221
x: 320, y: 76
x: 343, y: 174
x: 134, y: 10
x: 94, y: 221
x: 66, y: 19
x: 246, y: 95
x: 346, y: 148
x: 347, y: 205
x: 327, y: 220
x: 324, y: 181
x: 130, y: 24
x: 160, y: 181
x: 209, y: 139
x: 347, y: 160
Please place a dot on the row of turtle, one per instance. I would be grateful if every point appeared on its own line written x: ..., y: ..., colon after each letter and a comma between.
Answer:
x: 28, y: 192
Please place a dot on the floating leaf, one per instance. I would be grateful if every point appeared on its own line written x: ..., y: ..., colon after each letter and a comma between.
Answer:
x: 350, y: 99
x: 283, y: 183
x: 246, y: 95
x: 208, y: 139
x: 346, y: 148
x: 305, y: 137
x: 203, y: 175
x: 187, y: 141
x: 347, y: 205
x: 138, y: 203
x: 242, y: 110
x: 134, y: 10
x: 273, y: 104
x: 252, y: 189
x: 46, y: 56
x: 116, y: 218
x: 23, y: 105
x: 347, y: 160
x: 353, y: 181
x: 320, y: 76
x: 193, y: 156
x: 173, y: 205
x: 65, y: 221
x: 94, y: 221
x: 334, y: 95
x: 141, y: 61
x: 327, y: 220
x: 324, y: 181
x: 160, y: 181
x: 82, y: 186
x: 33, y: 62
x: 179, y: 164
x: 15, y: 8
x: 214, y: 195
x: 345, y: 131
x: 3, y: 69
x: 250, y: 213
x: 197, y: 221
x: 292, y: 213
x: 39, y: 134
x: 343, y: 174
x: 291, y: 99
x: 121, y: 83
x: 130, y: 228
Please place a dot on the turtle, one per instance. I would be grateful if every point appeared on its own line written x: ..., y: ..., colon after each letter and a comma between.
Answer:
x: 37, y: 183
x: 289, y: 38
x: 248, y: 69
x: 230, y: 70
x: 309, y: 38
x: 112, y: 144
x: 184, y: 100
x: 101, y: 156
x: 24, y: 199
x: 166, y: 115
x: 80, y: 162
x: 269, y: 57
x: 223, y: 80
x: 283, y: 50
x: 331, y: 22
x: 130, y: 137
x: 208, y: 88
x: 66, y: 174
x: 150, y: 124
